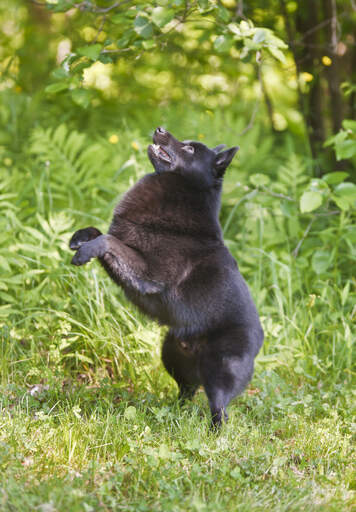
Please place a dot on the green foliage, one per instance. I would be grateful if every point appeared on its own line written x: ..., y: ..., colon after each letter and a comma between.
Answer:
x: 344, y: 142
x: 89, y: 416
x: 80, y: 369
x: 297, y: 255
x: 145, y: 26
x: 331, y: 187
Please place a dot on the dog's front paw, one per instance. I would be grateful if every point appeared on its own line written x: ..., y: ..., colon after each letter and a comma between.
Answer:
x: 82, y: 256
x: 93, y: 249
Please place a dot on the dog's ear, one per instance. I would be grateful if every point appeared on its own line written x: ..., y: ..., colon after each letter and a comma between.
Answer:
x: 219, y: 148
x: 222, y: 160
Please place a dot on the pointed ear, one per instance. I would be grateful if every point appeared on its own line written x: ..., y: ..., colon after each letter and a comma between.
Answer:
x: 222, y: 160
x: 219, y: 148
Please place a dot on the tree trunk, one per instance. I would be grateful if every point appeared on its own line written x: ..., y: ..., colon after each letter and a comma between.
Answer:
x: 333, y: 71
x: 308, y: 53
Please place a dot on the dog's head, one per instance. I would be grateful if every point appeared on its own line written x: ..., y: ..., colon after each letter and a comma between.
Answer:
x: 191, y: 159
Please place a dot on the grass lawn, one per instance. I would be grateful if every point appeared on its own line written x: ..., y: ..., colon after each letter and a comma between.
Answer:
x: 99, y: 446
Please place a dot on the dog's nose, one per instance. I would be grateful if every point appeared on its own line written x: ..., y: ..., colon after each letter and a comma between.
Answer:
x: 160, y: 130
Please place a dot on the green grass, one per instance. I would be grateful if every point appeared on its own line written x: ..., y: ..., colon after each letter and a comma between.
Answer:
x: 102, y: 447
x: 89, y: 418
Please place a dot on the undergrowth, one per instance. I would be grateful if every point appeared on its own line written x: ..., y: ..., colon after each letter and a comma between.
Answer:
x: 89, y: 418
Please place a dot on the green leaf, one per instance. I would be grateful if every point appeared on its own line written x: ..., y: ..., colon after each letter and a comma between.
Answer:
x: 161, y: 16
x: 332, y: 178
x: 59, y: 73
x: 260, y: 35
x: 349, y: 124
x: 275, y: 41
x: 60, y: 5
x: 105, y: 58
x: 318, y: 184
x: 91, y: 51
x: 203, y: 5
x: 345, y: 149
x: 321, y: 261
x: 79, y: 356
x: 164, y: 452
x: 143, y: 27
x: 78, y: 68
x: 117, y: 19
x: 223, y: 43
x: 130, y: 413
x: 6, y: 310
x: 57, y: 87
x: 337, y: 139
x: 247, y: 29
x: 345, y: 293
x: 81, y: 97
x: 346, y: 190
x: 277, y: 54
x: 250, y: 44
x: 4, y: 265
x: 341, y: 202
x: 310, y: 200
x: 149, y: 44
x: 235, y: 29
x: 236, y: 473
x: 123, y: 41
x: 223, y: 13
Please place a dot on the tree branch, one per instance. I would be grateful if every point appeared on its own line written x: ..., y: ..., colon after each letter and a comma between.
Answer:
x: 86, y: 6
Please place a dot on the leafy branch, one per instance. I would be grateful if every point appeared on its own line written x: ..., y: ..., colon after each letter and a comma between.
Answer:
x: 143, y: 27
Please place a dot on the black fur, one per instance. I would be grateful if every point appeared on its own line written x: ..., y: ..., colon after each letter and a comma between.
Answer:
x: 165, y: 249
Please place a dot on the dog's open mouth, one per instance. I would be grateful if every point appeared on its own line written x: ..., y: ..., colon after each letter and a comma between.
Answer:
x: 161, y: 153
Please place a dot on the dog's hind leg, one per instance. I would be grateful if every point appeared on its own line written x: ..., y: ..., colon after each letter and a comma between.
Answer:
x: 225, y: 372
x: 181, y: 363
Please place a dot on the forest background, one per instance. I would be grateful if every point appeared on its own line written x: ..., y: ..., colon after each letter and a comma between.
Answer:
x: 89, y: 418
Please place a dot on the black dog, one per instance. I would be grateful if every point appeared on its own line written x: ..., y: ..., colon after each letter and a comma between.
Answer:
x: 165, y: 249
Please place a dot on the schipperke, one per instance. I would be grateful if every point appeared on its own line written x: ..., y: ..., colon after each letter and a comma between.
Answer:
x: 165, y: 249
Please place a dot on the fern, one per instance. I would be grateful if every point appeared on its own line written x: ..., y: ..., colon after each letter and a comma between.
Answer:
x: 291, y: 175
x: 68, y: 157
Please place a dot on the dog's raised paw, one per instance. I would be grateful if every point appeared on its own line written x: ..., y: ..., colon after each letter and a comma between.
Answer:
x: 81, y: 257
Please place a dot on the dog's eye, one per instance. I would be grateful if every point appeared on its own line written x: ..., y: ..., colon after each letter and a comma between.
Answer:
x: 189, y: 149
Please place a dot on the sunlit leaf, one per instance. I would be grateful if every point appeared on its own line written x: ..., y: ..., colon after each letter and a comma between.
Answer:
x: 260, y: 35
x: 57, y: 87
x: 346, y: 190
x: 345, y: 149
x: 143, y: 27
x: 91, y: 51
x: 310, y: 201
x: 335, y: 177
x: 223, y: 13
x: 277, y: 53
x: 349, y: 124
x: 223, y: 43
x: 161, y: 16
